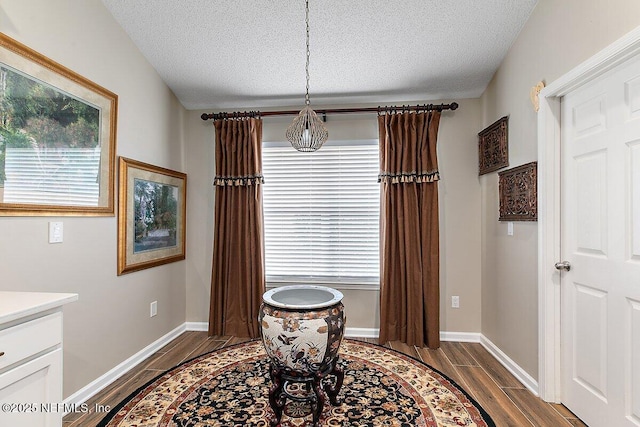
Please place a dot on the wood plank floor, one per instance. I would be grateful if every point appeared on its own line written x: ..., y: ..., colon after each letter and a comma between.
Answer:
x: 507, y: 401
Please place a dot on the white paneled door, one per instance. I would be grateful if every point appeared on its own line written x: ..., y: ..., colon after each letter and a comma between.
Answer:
x: 600, y: 286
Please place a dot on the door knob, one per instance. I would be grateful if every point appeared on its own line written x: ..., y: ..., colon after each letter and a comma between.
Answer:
x: 564, y: 265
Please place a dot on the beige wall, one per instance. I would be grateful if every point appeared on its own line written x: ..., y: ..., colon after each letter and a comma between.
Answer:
x: 558, y: 36
x: 459, y: 213
x: 110, y: 322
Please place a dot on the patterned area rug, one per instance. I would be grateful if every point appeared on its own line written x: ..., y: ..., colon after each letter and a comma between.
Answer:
x: 229, y: 387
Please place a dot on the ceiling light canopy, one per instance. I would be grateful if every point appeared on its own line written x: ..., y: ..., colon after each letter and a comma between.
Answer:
x: 307, y: 132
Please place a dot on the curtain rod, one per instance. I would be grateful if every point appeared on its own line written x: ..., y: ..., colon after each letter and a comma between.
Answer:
x: 425, y: 107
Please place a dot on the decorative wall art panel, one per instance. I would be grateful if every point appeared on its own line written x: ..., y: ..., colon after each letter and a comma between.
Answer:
x: 518, y: 189
x: 493, y: 146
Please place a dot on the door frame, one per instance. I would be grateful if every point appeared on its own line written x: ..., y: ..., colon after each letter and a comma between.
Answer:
x: 549, y: 218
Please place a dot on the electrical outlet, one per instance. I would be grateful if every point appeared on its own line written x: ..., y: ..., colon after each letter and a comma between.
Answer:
x: 455, y: 301
x: 154, y: 308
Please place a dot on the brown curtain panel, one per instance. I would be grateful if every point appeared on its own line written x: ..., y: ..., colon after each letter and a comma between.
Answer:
x: 409, y: 235
x: 237, y: 279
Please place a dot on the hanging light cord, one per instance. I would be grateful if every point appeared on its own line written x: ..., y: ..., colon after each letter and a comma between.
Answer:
x: 306, y: 97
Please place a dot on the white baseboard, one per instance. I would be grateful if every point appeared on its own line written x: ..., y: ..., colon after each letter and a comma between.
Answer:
x: 460, y: 336
x: 361, y: 332
x: 197, y: 326
x: 521, y: 375
x: 444, y: 336
x: 348, y: 332
x: 91, y: 389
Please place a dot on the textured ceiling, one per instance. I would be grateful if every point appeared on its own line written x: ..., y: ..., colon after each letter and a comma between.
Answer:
x: 224, y: 54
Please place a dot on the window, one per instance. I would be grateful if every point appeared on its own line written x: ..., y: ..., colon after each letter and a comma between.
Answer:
x: 321, y: 214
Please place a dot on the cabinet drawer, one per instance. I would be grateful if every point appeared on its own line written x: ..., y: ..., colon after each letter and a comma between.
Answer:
x: 29, y: 338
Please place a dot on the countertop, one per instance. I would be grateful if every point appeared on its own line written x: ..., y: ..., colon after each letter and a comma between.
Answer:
x: 14, y: 305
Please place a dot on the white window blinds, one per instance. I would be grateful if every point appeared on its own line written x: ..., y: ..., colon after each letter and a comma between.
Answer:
x: 321, y: 213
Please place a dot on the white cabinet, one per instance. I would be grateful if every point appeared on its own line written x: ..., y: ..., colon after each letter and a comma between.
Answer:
x: 33, y: 392
x: 31, y: 359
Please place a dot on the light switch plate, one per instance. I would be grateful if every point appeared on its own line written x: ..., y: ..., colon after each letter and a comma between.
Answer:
x: 55, y: 232
x: 509, y: 229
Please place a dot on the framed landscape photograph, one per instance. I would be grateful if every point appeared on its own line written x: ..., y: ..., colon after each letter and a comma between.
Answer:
x: 151, y: 216
x: 57, y: 138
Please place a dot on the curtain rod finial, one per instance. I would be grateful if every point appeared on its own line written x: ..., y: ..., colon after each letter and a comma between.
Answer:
x: 454, y: 105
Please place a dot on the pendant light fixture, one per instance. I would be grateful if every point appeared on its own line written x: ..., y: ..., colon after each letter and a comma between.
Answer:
x: 307, y: 132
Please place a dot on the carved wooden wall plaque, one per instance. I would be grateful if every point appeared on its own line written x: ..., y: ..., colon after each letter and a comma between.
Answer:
x: 518, y: 188
x: 493, y: 146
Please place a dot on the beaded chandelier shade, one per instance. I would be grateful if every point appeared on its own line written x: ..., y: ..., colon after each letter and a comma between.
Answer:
x: 307, y: 132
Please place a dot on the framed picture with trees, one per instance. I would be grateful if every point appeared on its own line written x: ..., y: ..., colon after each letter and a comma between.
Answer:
x: 151, y: 216
x: 57, y: 138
